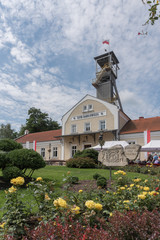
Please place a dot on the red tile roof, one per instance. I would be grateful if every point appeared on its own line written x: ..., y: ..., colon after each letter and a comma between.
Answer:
x: 41, y: 136
x: 141, y: 124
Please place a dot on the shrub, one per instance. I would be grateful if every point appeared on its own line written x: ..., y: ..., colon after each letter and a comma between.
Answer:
x: 9, y: 145
x: 101, y: 182
x: 96, y: 176
x: 11, y: 172
x: 26, y: 158
x: 3, y: 160
x: 80, y: 162
x: 73, y: 180
x: 90, y: 153
x: 135, y: 225
x: 71, y: 229
x: 71, y: 163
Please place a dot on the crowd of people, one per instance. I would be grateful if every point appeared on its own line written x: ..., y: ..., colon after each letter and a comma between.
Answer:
x: 153, y: 159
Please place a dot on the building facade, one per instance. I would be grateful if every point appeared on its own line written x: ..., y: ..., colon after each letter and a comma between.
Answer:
x: 91, y: 117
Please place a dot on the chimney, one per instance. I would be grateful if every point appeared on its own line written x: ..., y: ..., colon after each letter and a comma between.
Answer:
x: 26, y: 132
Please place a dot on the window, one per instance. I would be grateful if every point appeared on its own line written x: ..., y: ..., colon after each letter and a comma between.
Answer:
x: 87, y: 127
x: 90, y: 107
x: 73, y: 150
x: 43, y: 152
x: 102, y: 125
x: 55, y: 152
x: 87, y: 108
x: 73, y: 128
x: 131, y: 142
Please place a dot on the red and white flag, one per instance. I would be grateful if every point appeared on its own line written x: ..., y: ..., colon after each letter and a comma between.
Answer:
x: 147, y: 139
x: 147, y: 136
x: 106, y: 42
x: 34, y: 145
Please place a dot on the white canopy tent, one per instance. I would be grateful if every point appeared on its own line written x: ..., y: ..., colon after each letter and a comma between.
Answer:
x: 109, y: 144
x: 152, y: 146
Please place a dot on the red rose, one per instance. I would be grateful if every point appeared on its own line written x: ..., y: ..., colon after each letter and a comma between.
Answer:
x: 157, y: 189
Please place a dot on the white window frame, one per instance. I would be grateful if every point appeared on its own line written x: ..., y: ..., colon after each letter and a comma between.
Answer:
x: 73, y: 128
x: 90, y: 109
x: 101, y: 124
x: 85, y: 127
x: 85, y: 108
x: 55, y: 152
x: 43, y: 152
x: 73, y: 150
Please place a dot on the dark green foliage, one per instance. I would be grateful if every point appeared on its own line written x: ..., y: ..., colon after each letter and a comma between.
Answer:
x: 101, y: 182
x: 9, y: 145
x: 4, y: 161
x: 80, y: 162
x: 38, y: 122
x: 11, y: 172
x: 91, y: 153
x: 26, y: 158
x: 73, y: 180
x: 96, y: 176
x: 7, y: 132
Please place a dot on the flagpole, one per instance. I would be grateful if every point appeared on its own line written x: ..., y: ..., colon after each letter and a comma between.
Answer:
x: 107, y: 42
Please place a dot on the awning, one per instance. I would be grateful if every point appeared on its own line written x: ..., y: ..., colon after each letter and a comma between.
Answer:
x: 109, y: 144
x: 152, y: 146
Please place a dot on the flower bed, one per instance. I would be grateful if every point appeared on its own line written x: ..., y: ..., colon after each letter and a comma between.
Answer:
x: 81, y: 213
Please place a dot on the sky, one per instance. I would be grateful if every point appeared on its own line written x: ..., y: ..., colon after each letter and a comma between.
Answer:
x: 47, y: 53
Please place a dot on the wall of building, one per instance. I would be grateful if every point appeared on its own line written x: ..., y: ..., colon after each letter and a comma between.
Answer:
x: 94, y: 121
x: 83, y: 141
x: 46, y: 148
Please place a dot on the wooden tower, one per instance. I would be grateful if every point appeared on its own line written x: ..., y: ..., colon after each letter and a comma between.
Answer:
x: 106, y: 75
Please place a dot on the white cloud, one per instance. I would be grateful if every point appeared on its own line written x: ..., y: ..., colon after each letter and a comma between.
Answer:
x: 22, y: 54
x: 45, y: 44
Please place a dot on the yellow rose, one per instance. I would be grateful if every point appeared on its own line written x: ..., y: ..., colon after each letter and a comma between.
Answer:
x: 2, y: 225
x: 80, y: 191
x: 98, y: 206
x: 75, y: 210
x: 60, y: 203
x: 12, y: 189
x: 90, y: 204
x: 39, y: 179
x: 137, y: 180
x: 131, y: 185
x: 145, y: 193
x: 47, y: 198
x: 141, y: 196
x: 126, y: 201
x: 146, y: 188
x: 17, y: 181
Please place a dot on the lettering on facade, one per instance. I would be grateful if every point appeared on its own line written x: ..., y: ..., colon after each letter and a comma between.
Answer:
x: 131, y: 151
x: 113, y: 156
x: 89, y: 115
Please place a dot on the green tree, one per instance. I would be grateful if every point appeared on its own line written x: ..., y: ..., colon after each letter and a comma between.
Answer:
x: 154, y: 13
x: 38, y: 122
x: 7, y: 132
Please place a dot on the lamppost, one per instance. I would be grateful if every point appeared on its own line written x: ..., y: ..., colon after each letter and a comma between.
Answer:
x: 100, y: 139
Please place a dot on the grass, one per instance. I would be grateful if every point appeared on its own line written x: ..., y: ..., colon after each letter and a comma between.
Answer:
x: 57, y: 173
